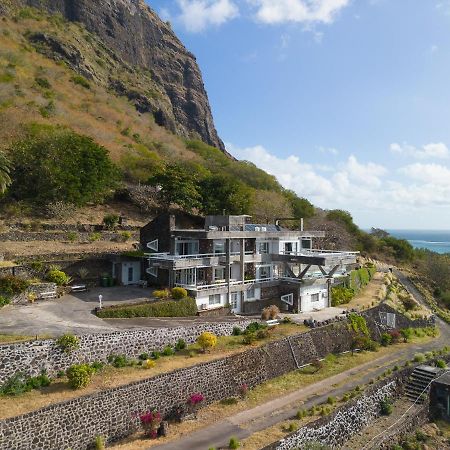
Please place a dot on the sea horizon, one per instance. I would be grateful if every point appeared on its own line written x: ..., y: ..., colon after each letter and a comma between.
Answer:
x: 435, y: 240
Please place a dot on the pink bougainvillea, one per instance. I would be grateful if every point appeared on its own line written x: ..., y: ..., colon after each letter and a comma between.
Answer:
x: 150, y: 421
x: 244, y: 390
x: 195, y: 399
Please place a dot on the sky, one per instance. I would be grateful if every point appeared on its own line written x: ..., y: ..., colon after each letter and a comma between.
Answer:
x: 346, y: 102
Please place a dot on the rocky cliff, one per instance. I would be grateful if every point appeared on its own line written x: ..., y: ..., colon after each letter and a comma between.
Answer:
x: 143, y: 60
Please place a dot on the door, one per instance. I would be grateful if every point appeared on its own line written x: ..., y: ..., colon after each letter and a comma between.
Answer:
x: 235, y: 302
x: 130, y: 275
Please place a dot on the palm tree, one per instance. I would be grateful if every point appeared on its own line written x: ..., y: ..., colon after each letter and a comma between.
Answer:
x: 5, y: 179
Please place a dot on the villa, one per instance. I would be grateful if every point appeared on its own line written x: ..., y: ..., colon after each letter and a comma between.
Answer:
x: 229, y: 261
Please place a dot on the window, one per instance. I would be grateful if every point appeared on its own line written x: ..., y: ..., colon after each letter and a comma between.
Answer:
x: 234, y: 300
x: 130, y: 274
x: 219, y: 247
x: 290, y: 247
x: 186, y: 248
x: 288, y: 298
x: 251, y: 294
x: 307, y: 244
x: 263, y: 248
x: 264, y: 272
x: 314, y: 297
x: 214, y: 299
x: 219, y: 273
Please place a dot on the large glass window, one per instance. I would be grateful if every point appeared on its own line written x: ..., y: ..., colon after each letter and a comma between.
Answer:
x: 264, y: 272
x: 251, y: 294
x: 290, y: 247
x: 307, y: 244
x: 186, y: 248
x: 314, y: 297
x: 234, y: 300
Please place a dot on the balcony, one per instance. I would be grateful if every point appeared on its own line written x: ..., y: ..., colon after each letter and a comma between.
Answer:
x: 222, y: 286
x: 317, y: 257
x: 177, y: 262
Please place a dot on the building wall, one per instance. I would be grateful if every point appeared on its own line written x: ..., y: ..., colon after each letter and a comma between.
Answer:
x: 306, y: 292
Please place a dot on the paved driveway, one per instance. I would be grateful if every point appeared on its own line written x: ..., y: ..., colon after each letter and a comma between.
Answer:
x: 73, y: 313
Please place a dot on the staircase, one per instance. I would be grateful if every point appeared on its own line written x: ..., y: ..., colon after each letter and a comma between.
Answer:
x: 419, y: 381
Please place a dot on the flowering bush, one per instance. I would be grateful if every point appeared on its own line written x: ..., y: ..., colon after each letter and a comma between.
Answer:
x: 150, y: 421
x: 244, y: 390
x: 149, y: 363
x: 207, y: 340
x: 195, y: 399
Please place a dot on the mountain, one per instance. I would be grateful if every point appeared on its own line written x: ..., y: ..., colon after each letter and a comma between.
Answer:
x: 137, y: 56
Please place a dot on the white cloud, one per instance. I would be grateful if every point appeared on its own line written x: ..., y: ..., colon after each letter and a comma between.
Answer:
x: 297, y: 11
x: 428, y: 151
x: 365, y: 189
x: 197, y: 15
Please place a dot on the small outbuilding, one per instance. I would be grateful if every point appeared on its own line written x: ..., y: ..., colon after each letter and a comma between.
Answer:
x: 440, y: 398
x: 127, y: 271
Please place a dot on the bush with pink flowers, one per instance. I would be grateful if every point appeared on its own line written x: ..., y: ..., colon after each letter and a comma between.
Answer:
x: 151, y: 421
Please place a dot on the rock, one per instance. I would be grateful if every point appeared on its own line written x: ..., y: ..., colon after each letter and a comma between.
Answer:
x: 166, y: 79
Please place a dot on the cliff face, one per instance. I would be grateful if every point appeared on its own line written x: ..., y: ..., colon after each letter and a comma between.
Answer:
x: 138, y: 41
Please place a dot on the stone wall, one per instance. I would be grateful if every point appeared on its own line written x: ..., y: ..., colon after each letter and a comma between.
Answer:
x: 81, y: 237
x: 33, y: 356
x: 111, y: 413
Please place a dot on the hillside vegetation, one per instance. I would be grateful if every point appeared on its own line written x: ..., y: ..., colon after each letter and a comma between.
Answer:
x: 43, y: 102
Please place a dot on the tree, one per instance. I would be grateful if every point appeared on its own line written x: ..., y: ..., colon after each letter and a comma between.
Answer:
x: 5, y: 167
x: 177, y: 187
x: 270, y: 205
x: 403, y: 250
x: 301, y: 208
x: 55, y: 164
x: 379, y: 233
x: 224, y: 193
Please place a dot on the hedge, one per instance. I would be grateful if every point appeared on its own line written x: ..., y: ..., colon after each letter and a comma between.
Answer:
x: 168, y: 308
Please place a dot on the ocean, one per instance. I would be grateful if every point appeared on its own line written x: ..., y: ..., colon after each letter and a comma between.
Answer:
x: 434, y: 240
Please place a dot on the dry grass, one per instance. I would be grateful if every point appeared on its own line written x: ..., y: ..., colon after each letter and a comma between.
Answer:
x: 112, y: 377
x: 369, y: 296
x: 12, y: 338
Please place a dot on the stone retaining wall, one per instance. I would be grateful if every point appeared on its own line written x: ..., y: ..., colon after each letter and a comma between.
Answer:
x: 33, y: 356
x: 62, y: 236
x: 111, y: 413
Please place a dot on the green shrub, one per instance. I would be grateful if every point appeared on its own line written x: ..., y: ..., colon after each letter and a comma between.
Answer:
x: 111, y: 221
x: 96, y: 236
x: 236, y: 331
x: 12, y: 285
x: 119, y: 361
x: 229, y: 401
x: 52, y: 164
x: 59, y: 277
x: 386, y: 407
x: 441, y: 364
x: 68, y: 342
x: 168, y: 351
x: 331, y: 400
x: 262, y: 334
x: 178, y: 293
x: 72, y: 236
x: 249, y: 338
x: 162, y: 294
x: 386, y: 339
x: 99, y: 443
x: 79, y: 375
x: 144, y: 356
x: 4, y: 301
x: 48, y: 110
x: 180, y: 345
x: 81, y: 81
x: 156, y: 355
x: 185, y: 307
x: 341, y: 295
x: 21, y: 383
x: 234, y: 443
x: 125, y: 236
x: 43, y: 82
x: 419, y: 358
x: 407, y: 334
x: 97, y: 366
x: 254, y: 327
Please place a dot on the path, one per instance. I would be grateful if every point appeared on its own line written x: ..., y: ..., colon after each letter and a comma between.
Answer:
x: 245, y: 423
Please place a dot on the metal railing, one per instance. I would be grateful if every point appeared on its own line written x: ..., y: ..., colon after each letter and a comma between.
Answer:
x: 205, y: 287
x: 170, y: 257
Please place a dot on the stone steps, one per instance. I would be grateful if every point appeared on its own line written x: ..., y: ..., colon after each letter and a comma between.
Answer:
x: 419, y: 382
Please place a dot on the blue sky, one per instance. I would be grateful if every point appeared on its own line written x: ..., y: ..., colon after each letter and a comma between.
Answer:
x: 347, y: 102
